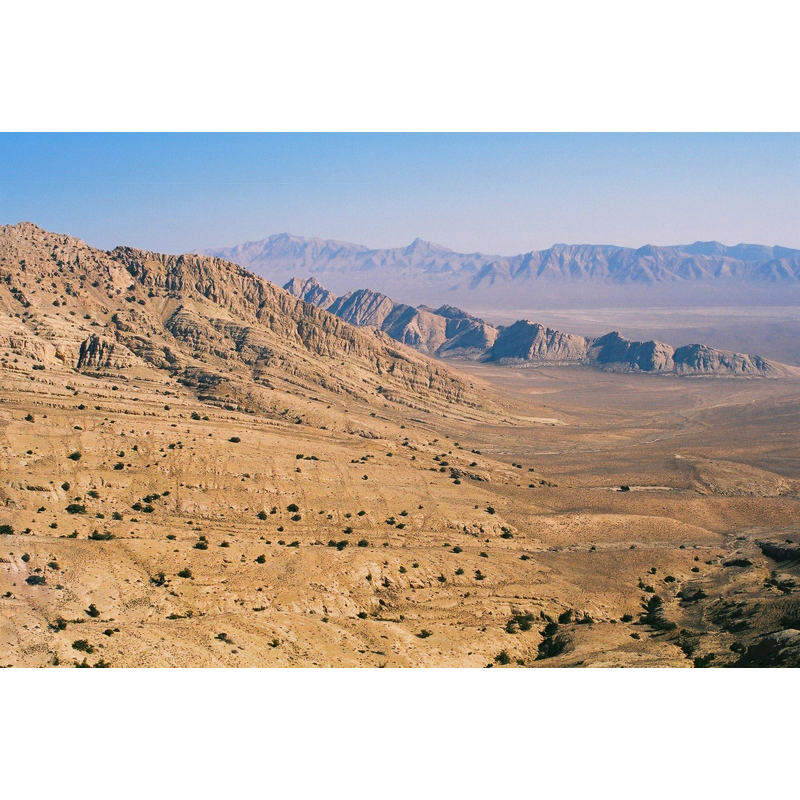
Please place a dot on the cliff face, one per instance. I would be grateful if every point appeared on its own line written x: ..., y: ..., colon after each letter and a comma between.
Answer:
x: 64, y: 304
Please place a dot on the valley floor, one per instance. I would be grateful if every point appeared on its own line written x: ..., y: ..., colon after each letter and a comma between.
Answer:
x: 146, y: 528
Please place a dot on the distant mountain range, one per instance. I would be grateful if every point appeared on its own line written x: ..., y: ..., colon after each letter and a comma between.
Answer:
x: 425, y: 264
x: 448, y: 332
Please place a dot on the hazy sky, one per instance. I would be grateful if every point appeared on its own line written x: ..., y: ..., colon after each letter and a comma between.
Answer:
x: 493, y: 193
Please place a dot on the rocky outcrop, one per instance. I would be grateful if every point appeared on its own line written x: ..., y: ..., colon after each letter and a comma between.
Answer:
x: 780, y: 649
x: 526, y: 341
x: 529, y: 343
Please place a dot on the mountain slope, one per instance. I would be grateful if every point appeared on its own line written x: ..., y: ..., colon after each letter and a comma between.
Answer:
x: 209, y: 323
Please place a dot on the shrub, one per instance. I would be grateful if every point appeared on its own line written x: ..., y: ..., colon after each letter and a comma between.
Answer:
x: 65, y: 486
x: 185, y: 573
x: 159, y: 580
x: 459, y: 571
x: 363, y: 543
x: 6, y: 530
x: 503, y: 658
x: 201, y: 545
x: 424, y: 634
x: 83, y: 646
x: 490, y: 510
x: 92, y: 611
x: 119, y: 465
x: 75, y: 508
x: 262, y: 515
x: 296, y: 518
x: 235, y: 439
x: 293, y: 507
x: 362, y: 614
x: 626, y: 618
x: 35, y: 580
x: 624, y: 488
x: 76, y: 456
x: 262, y: 559
x: 96, y: 536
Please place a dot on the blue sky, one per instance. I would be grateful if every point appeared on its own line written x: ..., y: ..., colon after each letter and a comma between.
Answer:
x: 494, y: 193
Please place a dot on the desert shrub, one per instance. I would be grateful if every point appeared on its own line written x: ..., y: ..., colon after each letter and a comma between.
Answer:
x: 119, y: 465
x: 482, y: 554
x: 490, y: 510
x: 76, y: 456
x: 296, y: 518
x: 624, y: 488
x: 262, y: 515
x: 402, y: 570
x: 457, y: 549
x: 669, y: 579
x: 29, y: 418
x: 65, y: 486
x: 626, y: 618
x: 362, y: 614
x: 35, y: 580
x: 6, y: 530
x: 295, y: 543
x: 92, y: 611
x: 195, y: 416
x: 116, y: 516
x: 185, y: 573
x: 363, y: 543
x: 361, y: 513
x: 565, y: 617
x: 262, y: 559
x: 159, y: 580
x: 83, y: 646
x: 201, y: 545
x: 96, y: 536
x: 225, y: 544
x: 459, y: 571
x: 503, y: 658
x: 424, y: 634
x: 235, y: 439
x: 441, y: 579
x: 479, y: 576
x: 704, y: 661
x: 75, y: 508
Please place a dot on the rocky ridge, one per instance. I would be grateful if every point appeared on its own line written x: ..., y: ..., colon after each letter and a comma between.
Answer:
x: 448, y: 332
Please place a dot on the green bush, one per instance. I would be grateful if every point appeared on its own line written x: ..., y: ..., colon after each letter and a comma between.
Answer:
x: 76, y: 456
x: 185, y: 573
x: 503, y: 658
x: 83, y: 646
x: 424, y: 634
x: 293, y: 507
x: 75, y: 508
x: 6, y: 530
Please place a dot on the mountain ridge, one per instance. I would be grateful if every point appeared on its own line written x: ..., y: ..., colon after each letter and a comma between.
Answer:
x: 650, y: 264
x: 448, y: 332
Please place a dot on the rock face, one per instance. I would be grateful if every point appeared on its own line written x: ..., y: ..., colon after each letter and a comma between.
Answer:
x: 442, y: 332
x: 64, y: 304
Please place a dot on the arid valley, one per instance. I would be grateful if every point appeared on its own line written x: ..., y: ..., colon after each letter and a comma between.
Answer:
x: 199, y: 469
